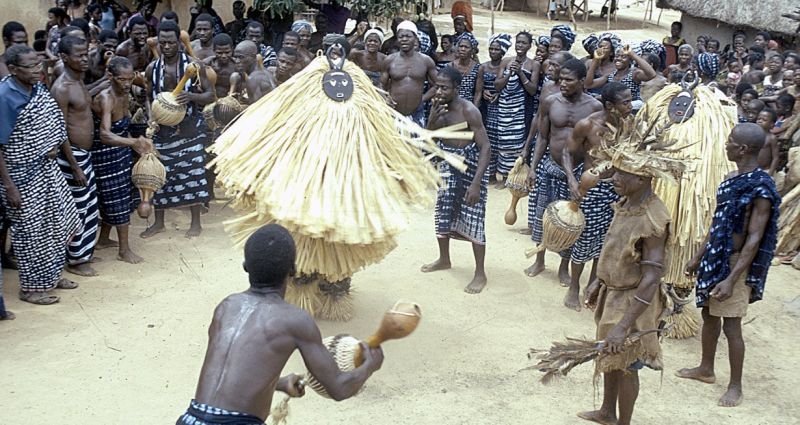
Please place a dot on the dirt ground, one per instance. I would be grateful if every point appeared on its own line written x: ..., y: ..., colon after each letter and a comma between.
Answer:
x: 127, y: 346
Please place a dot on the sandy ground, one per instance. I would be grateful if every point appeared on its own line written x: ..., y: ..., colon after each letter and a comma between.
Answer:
x: 127, y: 346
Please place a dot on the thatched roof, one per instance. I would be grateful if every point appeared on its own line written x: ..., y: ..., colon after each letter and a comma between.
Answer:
x: 760, y: 14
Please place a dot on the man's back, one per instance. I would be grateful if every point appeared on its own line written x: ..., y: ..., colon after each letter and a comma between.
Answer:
x: 249, y: 341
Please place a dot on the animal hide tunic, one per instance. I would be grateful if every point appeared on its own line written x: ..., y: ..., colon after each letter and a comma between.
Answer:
x: 619, y: 271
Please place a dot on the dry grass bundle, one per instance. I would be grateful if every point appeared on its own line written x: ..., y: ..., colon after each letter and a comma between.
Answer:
x: 701, y: 143
x: 340, y: 178
x: 337, y: 301
x: 682, y: 325
x: 303, y: 292
x: 562, y: 357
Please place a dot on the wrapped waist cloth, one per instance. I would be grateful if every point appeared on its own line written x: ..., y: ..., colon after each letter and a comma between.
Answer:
x: 203, y: 414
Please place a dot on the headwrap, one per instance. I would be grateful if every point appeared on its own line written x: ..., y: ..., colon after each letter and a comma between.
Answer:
x: 566, y: 32
x: 708, y: 63
x: 590, y: 43
x: 469, y: 37
x: 407, y: 25
x: 651, y: 47
x: 425, y: 45
x: 543, y: 40
x: 503, y: 40
x: 302, y: 24
x: 374, y: 31
x: 613, y: 38
x: 463, y: 9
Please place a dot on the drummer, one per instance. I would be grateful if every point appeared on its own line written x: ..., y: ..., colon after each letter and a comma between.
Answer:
x: 253, y: 334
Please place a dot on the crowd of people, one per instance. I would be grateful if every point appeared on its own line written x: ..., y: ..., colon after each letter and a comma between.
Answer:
x: 75, y: 111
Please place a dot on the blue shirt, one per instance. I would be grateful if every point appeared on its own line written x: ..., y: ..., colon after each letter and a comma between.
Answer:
x: 12, y: 99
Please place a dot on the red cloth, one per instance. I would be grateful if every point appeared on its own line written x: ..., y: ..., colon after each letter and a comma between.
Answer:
x: 463, y: 8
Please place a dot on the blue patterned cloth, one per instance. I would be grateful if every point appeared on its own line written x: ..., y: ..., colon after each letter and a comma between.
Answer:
x: 453, y: 217
x: 467, y: 88
x: 469, y: 37
x: 203, y: 414
x: 598, y: 210
x: 503, y: 40
x: 734, y: 195
x: 551, y: 186
x: 514, y: 112
x: 112, y: 169
x: 490, y: 119
x: 566, y: 32
x: 708, y: 63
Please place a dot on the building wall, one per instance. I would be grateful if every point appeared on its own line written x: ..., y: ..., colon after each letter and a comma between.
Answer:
x: 30, y: 13
x: 694, y: 26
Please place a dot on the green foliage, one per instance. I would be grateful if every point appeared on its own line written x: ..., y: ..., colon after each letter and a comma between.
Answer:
x: 387, y: 9
x: 279, y: 8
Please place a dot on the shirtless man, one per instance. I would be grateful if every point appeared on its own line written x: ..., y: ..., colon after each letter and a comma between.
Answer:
x: 596, y: 202
x: 203, y: 46
x: 112, y: 158
x: 558, y: 115
x: 135, y: 47
x: 549, y: 88
x: 222, y: 63
x: 257, y: 82
x: 732, y: 269
x: 75, y: 159
x: 769, y: 156
x: 291, y: 40
x: 370, y: 60
x: 252, y: 336
x: 404, y: 73
x: 95, y: 78
x: 461, y: 201
x: 287, y: 66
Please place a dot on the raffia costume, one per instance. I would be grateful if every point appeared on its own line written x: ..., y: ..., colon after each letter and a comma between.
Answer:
x: 619, y: 270
x: 340, y: 179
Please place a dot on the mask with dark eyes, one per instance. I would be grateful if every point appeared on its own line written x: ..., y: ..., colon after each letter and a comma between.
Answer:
x: 337, y: 84
x: 681, y: 107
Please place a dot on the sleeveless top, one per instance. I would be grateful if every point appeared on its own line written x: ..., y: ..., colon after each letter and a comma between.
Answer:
x: 629, y: 82
x: 467, y: 88
x: 770, y: 88
x: 619, y: 265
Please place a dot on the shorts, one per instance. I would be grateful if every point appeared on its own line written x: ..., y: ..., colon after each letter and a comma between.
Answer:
x: 736, y: 305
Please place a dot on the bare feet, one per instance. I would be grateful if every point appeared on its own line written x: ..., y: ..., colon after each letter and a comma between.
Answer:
x: 106, y: 243
x: 83, y: 269
x: 526, y: 231
x: 8, y: 316
x: 563, y: 277
x: 571, y: 300
x: 698, y: 374
x: 599, y: 417
x: 129, y: 257
x: 535, y: 269
x: 194, y: 232
x: 152, y: 231
x: 436, y: 266
x: 732, y: 398
x: 477, y: 284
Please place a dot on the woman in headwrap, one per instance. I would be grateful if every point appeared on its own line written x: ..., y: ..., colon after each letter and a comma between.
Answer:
x: 461, y: 12
x: 568, y: 34
x: 370, y: 60
x: 630, y: 75
x: 542, y: 46
x: 304, y: 29
x: 602, y: 63
x: 356, y: 37
x: 486, y: 95
x: 466, y: 65
x: 517, y: 84
x: 590, y: 45
x: 708, y: 65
